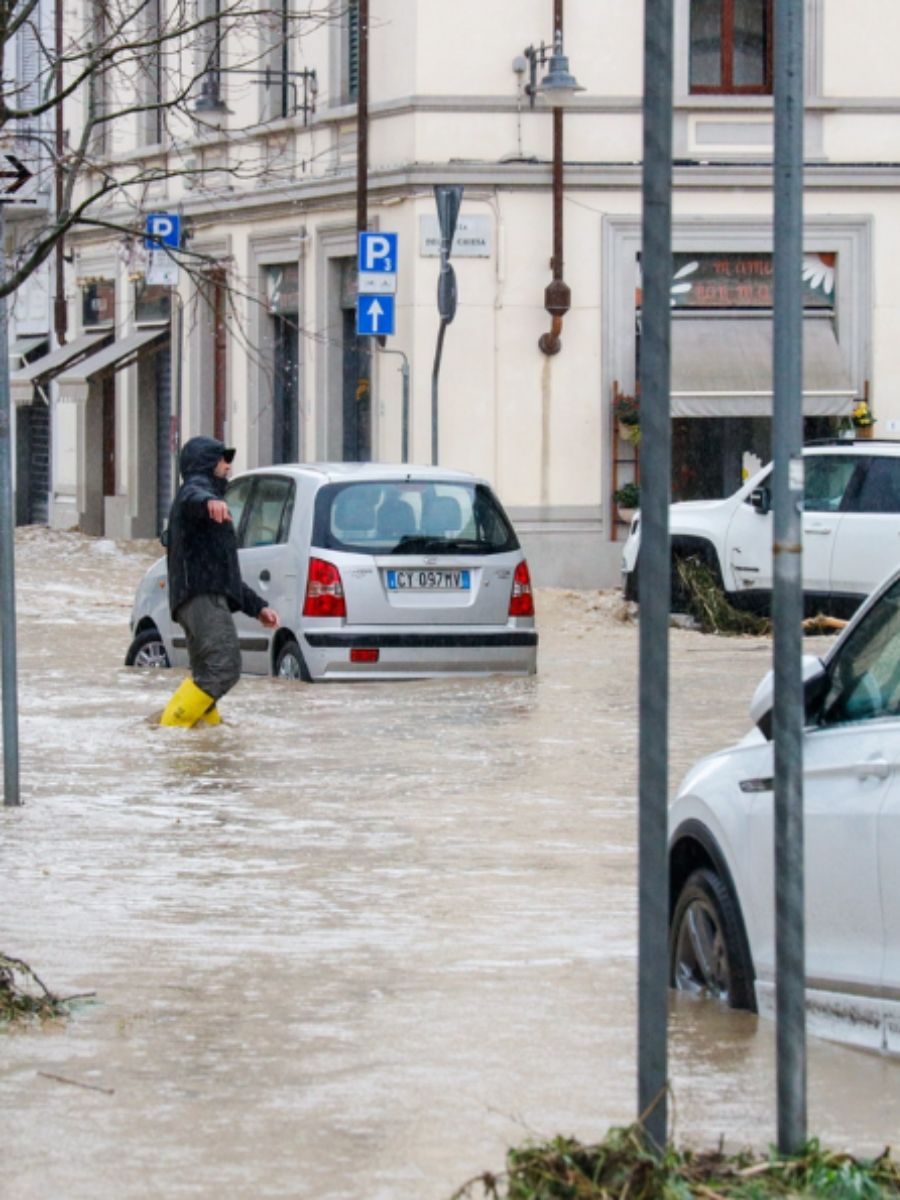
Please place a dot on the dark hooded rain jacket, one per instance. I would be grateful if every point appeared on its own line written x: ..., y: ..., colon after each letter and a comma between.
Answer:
x: 202, y: 554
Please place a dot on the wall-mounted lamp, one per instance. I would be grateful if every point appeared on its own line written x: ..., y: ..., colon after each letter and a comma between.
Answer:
x: 559, y: 85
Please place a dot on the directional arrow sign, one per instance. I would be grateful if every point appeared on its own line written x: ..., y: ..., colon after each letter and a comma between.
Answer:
x: 19, y: 174
x: 374, y: 315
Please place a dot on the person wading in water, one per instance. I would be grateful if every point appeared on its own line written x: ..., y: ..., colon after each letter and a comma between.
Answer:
x: 205, y: 585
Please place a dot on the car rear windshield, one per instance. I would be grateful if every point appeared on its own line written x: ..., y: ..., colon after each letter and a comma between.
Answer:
x: 410, y: 517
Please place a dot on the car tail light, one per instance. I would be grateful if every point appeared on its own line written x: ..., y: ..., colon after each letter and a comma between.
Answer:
x: 364, y: 654
x: 324, y: 591
x: 521, y: 602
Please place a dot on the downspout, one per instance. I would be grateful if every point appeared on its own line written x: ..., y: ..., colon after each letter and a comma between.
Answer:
x: 557, y: 295
x: 362, y: 119
x: 59, y: 299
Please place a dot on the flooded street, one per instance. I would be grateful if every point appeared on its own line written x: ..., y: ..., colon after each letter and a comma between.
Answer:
x: 359, y: 939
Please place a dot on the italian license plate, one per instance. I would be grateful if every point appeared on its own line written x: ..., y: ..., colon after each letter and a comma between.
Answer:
x: 427, y: 579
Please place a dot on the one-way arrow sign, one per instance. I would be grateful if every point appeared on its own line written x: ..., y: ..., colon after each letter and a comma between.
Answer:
x: 374, y: 315
x: 19, y: 174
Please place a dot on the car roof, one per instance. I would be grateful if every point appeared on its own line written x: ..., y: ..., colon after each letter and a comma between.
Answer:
x: 343, y: 472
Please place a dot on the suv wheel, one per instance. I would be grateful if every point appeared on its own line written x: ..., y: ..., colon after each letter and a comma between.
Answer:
x: 707, y: 954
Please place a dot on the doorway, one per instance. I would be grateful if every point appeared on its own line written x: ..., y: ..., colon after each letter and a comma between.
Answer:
x: 356, y: 393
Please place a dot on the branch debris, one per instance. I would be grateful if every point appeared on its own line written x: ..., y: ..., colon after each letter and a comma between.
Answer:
x: 623, y: 1166
x: 24, y: 995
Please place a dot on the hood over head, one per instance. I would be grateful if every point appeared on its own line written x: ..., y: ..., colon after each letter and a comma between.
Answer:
x: 201, y: 455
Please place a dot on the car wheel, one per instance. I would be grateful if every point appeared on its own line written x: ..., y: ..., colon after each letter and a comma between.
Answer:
x: 290, y: 664
x: 147, y: 650
x: 707, y: 953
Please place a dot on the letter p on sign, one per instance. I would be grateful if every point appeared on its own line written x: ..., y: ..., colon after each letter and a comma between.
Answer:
x: 163, y: 229
x: 378, y: 252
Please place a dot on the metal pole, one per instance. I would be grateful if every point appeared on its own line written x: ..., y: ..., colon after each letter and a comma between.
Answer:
x: 59, y: 299
x: 435, y: 372
x: 404, y: 417
x: 654, y: 585
x: 7, y: 563
x: 787, y: 437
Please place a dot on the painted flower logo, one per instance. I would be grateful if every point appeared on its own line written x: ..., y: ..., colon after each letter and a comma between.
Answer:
x: 681, y: 283
x: 818, y: 272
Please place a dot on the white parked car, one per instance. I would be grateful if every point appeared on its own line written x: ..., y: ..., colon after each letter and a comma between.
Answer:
x: 377, y: 572
x: 722, y: 928
x: 851, y: 529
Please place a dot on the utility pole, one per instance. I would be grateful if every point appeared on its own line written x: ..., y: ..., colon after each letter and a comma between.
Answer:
x: 363, y: 410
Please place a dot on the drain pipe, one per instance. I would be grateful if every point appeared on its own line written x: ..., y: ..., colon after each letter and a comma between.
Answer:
x: 557, y: 295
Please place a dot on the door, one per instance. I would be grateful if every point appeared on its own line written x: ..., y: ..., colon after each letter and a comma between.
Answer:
x: 285, y: 391
x: 164, y: 436
x: 867, y: 541
x: 108, y: 391
x: 269, y: 564
x: 357, y: 393
x: 845, y: 781
x: 826, y: 479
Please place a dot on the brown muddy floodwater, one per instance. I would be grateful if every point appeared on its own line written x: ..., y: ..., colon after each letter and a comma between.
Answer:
x: 360, y: 938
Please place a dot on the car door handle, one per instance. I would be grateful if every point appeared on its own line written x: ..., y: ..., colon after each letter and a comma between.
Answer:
x: 823, y: 529
x: 877, y: 768
x: 265, y: 576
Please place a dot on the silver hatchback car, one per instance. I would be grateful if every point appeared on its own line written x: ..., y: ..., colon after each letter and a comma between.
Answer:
x: 377, y: 572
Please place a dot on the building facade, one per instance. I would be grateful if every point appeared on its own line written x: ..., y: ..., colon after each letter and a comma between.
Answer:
x: 256, y: 341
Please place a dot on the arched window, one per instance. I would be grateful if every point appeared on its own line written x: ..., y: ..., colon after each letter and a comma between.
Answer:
x: 731, y: 47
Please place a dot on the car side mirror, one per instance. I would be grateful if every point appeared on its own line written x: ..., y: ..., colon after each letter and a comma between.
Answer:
x: 164, y: 537
x: 815, y: 685
x: 761, y: 500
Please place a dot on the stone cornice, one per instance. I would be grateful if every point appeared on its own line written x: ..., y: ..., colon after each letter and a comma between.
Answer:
x: 302, y: 198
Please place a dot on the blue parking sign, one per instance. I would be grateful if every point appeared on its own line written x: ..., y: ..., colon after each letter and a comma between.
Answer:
x: 163, y: 229
x: 378, y: 252
x: 375, y: 315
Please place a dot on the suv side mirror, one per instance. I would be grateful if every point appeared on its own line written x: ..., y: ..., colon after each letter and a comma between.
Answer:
x: 761, y: 500
x: 815, y: 685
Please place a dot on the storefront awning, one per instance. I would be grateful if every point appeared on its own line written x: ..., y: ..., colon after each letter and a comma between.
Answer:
x: 74, y: 382
x: 26, y: 344
x: 722, y: 367
x: 24, y: 381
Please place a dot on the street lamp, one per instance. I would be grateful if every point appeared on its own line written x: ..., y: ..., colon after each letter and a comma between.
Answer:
x: 559, y: 85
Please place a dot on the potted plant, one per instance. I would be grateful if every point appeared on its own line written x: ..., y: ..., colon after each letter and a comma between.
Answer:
x: 627, y: 500
x: 862, y: 419
x: 627, y: 411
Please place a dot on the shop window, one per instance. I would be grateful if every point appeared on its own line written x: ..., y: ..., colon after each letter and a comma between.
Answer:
x: 98, y: 303
x: 731, y: 47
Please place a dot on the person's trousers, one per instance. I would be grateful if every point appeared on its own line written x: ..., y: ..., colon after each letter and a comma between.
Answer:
x: 212, y: 643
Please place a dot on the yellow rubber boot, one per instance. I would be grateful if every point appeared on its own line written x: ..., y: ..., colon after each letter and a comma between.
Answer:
x: 187, y: 706
x: 211, y: 716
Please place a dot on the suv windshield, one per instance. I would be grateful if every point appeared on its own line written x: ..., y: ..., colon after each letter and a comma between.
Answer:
x: 411, y: 517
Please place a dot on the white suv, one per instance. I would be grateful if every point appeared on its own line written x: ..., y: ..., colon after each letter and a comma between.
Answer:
x: 851, y: 529
x: 722, y: 919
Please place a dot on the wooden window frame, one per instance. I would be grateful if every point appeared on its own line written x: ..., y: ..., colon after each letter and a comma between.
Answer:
x: 726, y: 57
